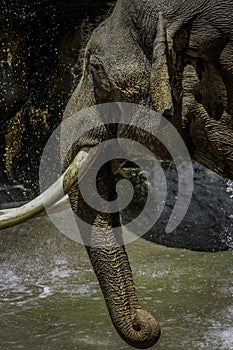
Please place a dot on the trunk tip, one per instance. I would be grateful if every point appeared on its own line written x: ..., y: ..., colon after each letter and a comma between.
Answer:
x: 148, y: 329
x: 145, y: 331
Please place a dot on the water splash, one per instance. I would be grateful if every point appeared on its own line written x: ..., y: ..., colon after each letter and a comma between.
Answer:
x: 229, y: 188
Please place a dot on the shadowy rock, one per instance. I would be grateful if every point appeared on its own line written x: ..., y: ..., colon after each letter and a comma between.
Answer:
x: 208, y: 223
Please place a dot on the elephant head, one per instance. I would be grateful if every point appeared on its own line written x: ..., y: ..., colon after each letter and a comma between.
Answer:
x: 176, y: 58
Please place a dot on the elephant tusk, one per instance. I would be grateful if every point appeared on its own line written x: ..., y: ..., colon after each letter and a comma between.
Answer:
x: 76, y: 170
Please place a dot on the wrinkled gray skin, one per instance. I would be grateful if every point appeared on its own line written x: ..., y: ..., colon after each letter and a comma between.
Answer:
x: 175, y: 57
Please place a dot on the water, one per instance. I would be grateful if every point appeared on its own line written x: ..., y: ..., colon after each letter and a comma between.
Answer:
x: 50, y: 298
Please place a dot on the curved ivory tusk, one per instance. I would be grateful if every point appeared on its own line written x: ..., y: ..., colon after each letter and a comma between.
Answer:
x: 55, y: 192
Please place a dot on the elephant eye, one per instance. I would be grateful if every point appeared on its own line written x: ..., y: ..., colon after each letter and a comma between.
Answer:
x: 99, y: 75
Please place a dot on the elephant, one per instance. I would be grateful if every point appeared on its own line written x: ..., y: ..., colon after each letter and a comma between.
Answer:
x: 176, y: 58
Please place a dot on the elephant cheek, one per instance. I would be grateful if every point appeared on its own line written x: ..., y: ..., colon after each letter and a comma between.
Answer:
x: 82, y: 97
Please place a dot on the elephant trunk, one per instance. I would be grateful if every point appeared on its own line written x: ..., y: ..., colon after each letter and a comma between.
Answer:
x: 103, y: 239
x: 110, y: 262
x: 136, y: 326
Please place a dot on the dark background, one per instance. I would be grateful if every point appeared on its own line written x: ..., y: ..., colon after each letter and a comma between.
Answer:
x: 40, y: 48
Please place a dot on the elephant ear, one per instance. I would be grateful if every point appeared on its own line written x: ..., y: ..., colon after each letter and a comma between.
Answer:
x: 160, y: 84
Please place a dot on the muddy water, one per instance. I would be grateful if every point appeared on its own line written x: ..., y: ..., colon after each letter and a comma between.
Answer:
x: 50, y: 298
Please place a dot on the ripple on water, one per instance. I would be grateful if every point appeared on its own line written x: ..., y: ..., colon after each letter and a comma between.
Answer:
x: 12, y: 287
x: 221, y: 333
x: 20, y: 288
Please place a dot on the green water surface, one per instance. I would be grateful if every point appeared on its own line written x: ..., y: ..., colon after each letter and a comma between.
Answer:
x: 50, y: 298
